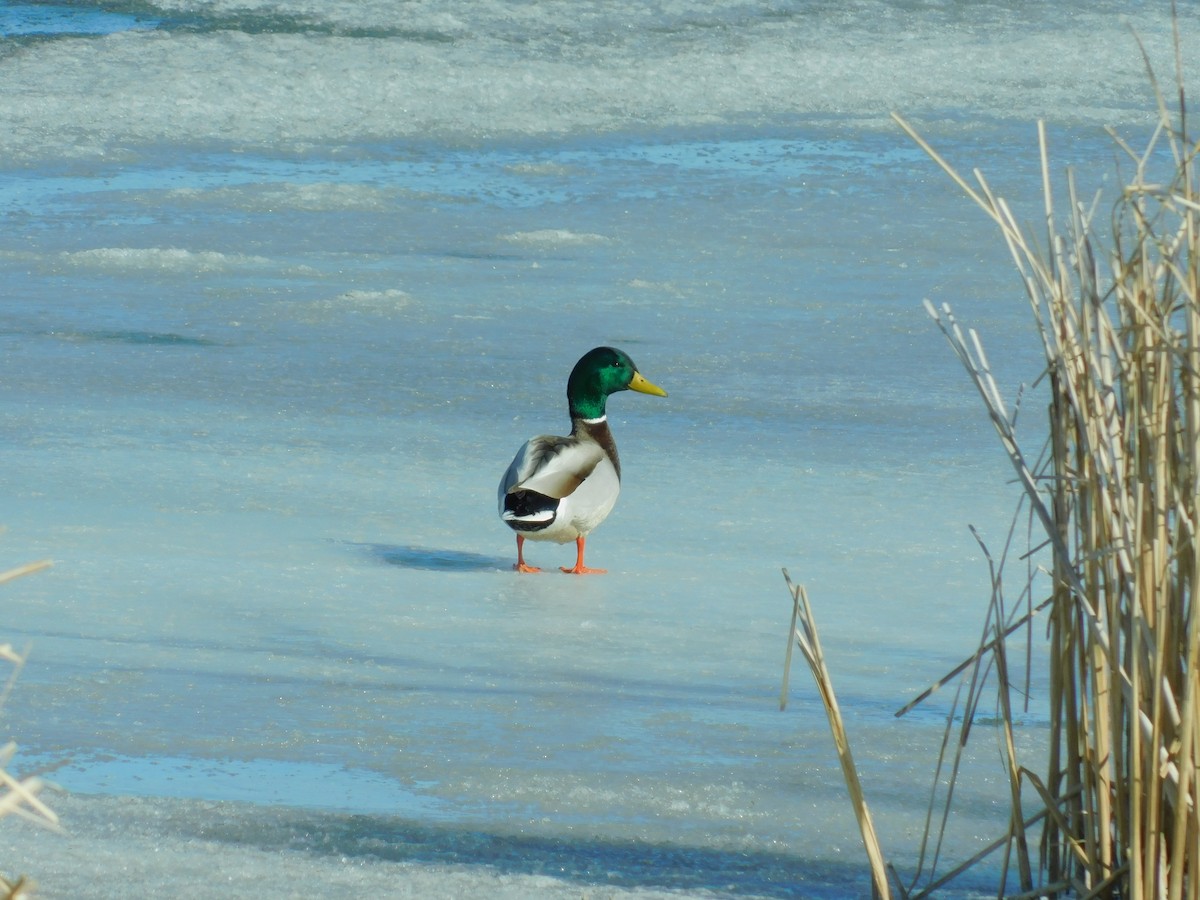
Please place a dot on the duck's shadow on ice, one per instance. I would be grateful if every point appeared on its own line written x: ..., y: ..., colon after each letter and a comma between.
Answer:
x: 437, y: 559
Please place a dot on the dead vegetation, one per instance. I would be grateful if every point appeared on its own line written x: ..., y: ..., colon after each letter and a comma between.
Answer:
x: 1115, y: 497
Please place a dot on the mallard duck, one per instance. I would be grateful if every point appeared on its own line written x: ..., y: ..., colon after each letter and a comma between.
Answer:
x: 560, y: 488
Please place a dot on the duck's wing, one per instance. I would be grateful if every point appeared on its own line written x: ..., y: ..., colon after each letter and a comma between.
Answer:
x: 551, y: 466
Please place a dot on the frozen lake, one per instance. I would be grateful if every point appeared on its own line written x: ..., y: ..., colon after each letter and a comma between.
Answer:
x: 269, y: 342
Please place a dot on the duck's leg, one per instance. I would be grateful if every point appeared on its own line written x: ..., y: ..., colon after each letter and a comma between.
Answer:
x: 580, y: 568
x: 520, y: 566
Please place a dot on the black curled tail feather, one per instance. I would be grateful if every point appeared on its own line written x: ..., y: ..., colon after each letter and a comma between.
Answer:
x: 526, y: 510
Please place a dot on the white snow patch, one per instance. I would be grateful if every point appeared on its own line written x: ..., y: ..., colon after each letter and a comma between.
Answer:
x: 165, y: 259
x: 555, y: 237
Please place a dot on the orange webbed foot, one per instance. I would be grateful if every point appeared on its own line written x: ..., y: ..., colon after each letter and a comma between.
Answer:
x: 580, y: 568
x: 583, y: 570
x: 520, y: 565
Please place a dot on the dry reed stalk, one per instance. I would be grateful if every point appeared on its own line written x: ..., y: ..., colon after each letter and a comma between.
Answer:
x: 1118, y: 498
x: 1117, y: 493
x: 27, y: 569
x: 19, y: 797
x: 804, y: 633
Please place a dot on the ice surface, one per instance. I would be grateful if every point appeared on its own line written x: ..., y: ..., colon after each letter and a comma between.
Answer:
x: 288, y: 75
x: 287, y: 286
x: 259, y: 446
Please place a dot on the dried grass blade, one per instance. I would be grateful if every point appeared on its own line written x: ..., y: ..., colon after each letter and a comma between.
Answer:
x: 27, y: 569
x: 809, y: 642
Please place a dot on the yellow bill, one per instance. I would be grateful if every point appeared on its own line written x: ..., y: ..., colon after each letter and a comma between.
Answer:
x: 642, y: 386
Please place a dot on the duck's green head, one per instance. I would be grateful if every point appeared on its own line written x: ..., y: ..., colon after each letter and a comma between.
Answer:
x: 601, y: 372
